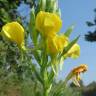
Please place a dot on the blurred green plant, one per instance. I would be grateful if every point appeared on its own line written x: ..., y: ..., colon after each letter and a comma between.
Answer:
x: 11, y: 86
x: 9, y: 55
x: 8, y: 11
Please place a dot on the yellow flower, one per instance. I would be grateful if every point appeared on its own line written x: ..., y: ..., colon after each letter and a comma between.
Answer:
x: 14, y: 32
x: 74, y: 52
x: 75, y: 73
x: 56, y: 44
x: 48, y: 23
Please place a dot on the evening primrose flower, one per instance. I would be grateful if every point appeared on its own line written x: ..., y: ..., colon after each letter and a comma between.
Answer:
x: 74, y: 52
x: 75, y: 74
x: 56, y: 44
x: 14, y: 32
x: 48, y: 23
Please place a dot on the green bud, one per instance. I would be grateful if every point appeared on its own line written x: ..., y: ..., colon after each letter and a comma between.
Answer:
x: 54, y: 5
x: 58, y: 12
x: 43, y: 5
x: 51, y: 4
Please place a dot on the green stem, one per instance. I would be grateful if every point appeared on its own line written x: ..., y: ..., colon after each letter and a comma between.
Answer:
x: 45, y: 86
x: 44, y: 71
x: 45, y: 91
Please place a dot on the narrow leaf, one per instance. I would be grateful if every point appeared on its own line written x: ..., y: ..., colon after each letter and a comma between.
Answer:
x: 32, y: 29
x: 37, y: 56
x: 66, y: 49
x: 37, y: 73
x: 69, y: 31
x: 50, y: 77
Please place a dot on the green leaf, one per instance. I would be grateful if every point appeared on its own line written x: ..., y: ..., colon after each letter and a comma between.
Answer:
x: 32, y: 29
x: 37, y: 56
x: 37, y: 73
x: 50, y: 77
x: 69, y: 31
x: 58, y: 88
x: 66, y: 49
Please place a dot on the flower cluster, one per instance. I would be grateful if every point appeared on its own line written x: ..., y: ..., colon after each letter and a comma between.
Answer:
x: 48, y: 24
x: 49, y: 47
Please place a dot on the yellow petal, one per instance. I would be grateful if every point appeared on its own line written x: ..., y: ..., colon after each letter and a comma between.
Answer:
x: 51, y: 45
x: 62, y: 41
x: 48, y: 23
x: 74, y: 52
x: 14, y: 32
x: 56, y: 44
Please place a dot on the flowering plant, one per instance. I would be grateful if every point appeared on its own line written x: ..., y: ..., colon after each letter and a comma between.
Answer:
x: 49, y: 47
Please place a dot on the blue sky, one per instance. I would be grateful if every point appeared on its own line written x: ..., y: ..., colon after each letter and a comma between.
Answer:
x: 78, y: 12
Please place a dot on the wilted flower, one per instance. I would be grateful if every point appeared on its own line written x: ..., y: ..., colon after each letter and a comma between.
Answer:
x: 48, y: 23
x: 75, y: 73
x: 56, y: 44
x: 14, y: 32
x: 74, y: 52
